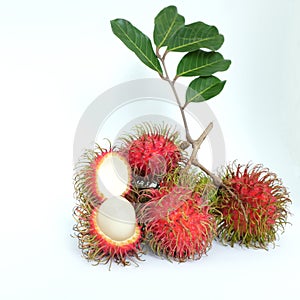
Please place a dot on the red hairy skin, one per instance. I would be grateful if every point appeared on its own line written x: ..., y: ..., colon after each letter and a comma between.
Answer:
x: 152, y: 151
x: 178, y: 225
x: 153, y: 154
x: 264, y: 201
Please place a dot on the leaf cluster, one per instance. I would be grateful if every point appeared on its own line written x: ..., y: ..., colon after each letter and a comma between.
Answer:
x: 198, y: 40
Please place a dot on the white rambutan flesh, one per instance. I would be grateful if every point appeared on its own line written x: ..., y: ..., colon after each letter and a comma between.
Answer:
x: 113, y: 175
x: 116, y: 218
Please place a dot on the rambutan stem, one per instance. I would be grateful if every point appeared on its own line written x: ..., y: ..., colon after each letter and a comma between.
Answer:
x: 195, y: 143
x: 172, y: 85
x: 196, y: 146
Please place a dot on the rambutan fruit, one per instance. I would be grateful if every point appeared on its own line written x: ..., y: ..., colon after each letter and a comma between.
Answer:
x: 177, y: 222
x: 152, y: 151
x: 100, y: 174
x: 108, y: 232
x: 251, y: 206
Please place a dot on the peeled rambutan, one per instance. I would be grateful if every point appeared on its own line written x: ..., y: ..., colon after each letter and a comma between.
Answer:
x: 177, y: 222
x: 106, y: 227
x: 152, y: 151
x: 101, y: 173
x: 108, y: 232
x: 251, y: 206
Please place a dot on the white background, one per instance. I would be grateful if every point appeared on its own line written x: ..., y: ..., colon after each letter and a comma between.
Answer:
x: 56, y: 57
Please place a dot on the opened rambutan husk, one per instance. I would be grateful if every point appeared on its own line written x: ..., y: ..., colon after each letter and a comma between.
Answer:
x: 152, y: 151
x: 97, y: 247
x: 253, y: 207
x: 86, y: 177
x: 177, y: 222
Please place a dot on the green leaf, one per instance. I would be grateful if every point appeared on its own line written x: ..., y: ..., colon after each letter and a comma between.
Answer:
x: 204, y: 88
x: 167, y: 22
x: 137, y: 42
x: 194, y: 36
x: 202, y: 63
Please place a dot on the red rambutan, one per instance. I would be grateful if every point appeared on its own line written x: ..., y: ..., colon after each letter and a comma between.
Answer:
x: 177, y: 223
x: 252, y: 208
x: 152, y: 151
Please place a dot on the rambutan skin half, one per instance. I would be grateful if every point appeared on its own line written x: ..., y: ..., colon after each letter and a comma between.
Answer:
x: 152, y: 150
x: 99, y: 248
x: 85, y: 175
x: 253, y: 208
x: 177, y: 224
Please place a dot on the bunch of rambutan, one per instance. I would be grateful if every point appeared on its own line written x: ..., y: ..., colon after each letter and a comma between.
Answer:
x: 147, y: 192
x: 142, y: 173
x: 140, y: 194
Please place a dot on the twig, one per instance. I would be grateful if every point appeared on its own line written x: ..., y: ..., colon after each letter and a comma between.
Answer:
x: 172, y: 84
x: 196, y: 146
